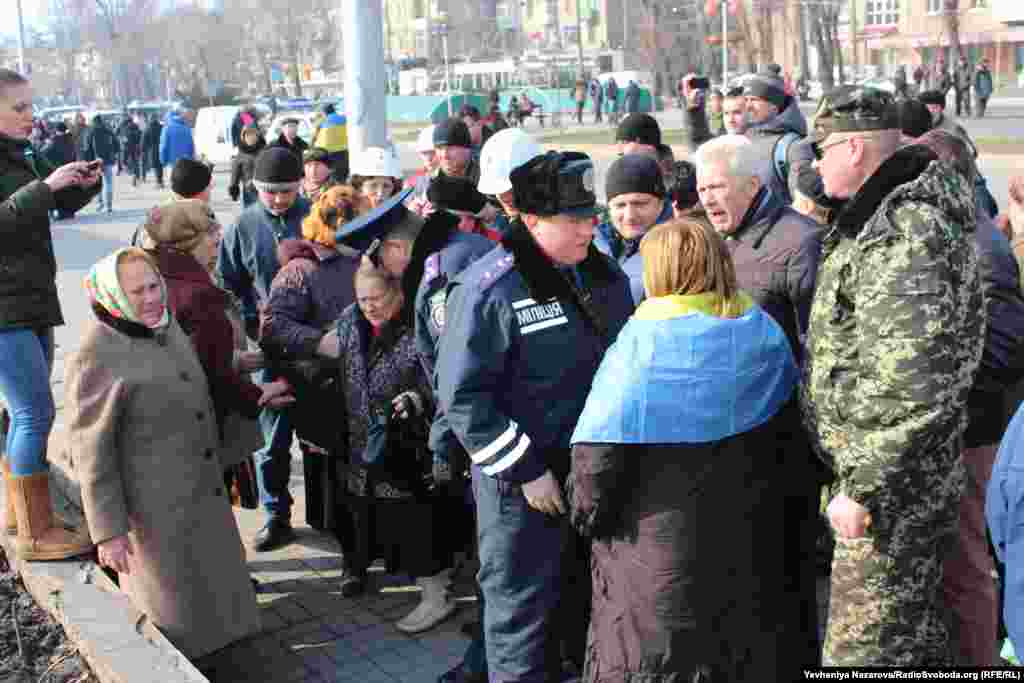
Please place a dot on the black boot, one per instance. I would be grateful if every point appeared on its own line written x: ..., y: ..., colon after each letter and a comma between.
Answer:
x: 275, y: 534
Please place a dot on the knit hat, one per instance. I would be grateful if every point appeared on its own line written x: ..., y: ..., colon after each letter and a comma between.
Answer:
x: 316, y: 154
x: 914, y: 118
x: 455, y: 194
x: 640, y: 128
x: 933, y: 97
x: 766, y: 88
x: 634, y: 173
x: 452, y: 132
x: 190, y: 177
x: 180, y: 224
x: 277, y: 170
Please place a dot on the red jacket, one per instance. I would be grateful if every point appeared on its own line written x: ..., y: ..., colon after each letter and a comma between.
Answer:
x: 200, y: 307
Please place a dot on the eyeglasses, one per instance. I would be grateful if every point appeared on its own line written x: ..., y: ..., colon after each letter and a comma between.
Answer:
x: 818, y: 149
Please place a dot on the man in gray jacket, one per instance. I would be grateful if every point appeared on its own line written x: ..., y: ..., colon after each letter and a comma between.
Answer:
x: 963, y: 74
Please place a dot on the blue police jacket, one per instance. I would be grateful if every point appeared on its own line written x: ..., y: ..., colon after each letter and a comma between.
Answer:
x: 176, y: 140
x: 1004, y: 510
x: 248, y: 253
x: 440, y: 269
x: 519, y: 353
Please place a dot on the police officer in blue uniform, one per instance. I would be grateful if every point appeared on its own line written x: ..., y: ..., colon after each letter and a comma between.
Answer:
x: 526, y: 328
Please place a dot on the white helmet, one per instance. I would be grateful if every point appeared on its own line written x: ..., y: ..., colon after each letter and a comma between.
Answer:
x: 425, y: 142
x: 377, y: 161
x: 503, y: 153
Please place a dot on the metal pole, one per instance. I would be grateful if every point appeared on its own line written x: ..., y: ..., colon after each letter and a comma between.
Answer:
x: 365, y: 99
x: 579, y: 37
x: 724, y: 8
x: 447, y: 72
x: 21, y: 41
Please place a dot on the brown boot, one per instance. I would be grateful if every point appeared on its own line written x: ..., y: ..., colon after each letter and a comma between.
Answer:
x: 10, y: 523
x: 38, y: 537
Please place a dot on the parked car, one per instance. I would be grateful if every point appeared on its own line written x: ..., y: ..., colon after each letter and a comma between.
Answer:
x: 212, y: 134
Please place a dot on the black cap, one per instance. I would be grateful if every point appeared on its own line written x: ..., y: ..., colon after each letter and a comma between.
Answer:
x: 639, y: 128
x: 555, y: 183
x: 455, y: 194
x: 190, y: 177
x: 452, y: 132
x: 766, y: 88
x: 933, y: 97
x: 363, y: 230
x: 634, y: 173
x: 913, y: 117
x: 854, y: 108
x: 277, y: 170
x: 316, y: 154
x: 682, y: 185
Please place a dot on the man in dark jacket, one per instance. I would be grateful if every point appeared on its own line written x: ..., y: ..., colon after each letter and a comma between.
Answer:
x: 983, y: 87
x: 248, y: 263
x: 289, y: 138
x: 100, y: 143
x: 631, y: 98
x: 129, y: 135
x: 151, y: 150
x: 60, y: 150
x: 963, y: 79
x: 526, y: 327
x: 775, y: 251
x: 776, y: 127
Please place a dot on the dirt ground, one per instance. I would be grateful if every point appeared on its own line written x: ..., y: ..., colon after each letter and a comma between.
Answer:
x: 44, y: 654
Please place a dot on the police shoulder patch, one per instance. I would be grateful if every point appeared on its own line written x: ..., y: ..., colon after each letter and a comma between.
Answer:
x: 495, y: 270
x: 438, y: 303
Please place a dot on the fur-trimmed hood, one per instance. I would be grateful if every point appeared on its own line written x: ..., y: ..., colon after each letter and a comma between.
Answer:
x: 912, y: 175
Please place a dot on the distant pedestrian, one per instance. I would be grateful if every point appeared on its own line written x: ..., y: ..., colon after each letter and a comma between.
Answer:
x: 963, y: 77
x: 129, y: 136
x: 597, y: 97
x: 899, y: 81
x: 611, y: 94
x: 100, y: 143
x: 289, y: 138
x: 580, y: 96
x: 151, y: 151
x: 176, y: 139
x: 982, y: 87
x: 243, y: 166
x: 631, y: 100
x: 60, y: 150
x: 919, y: 78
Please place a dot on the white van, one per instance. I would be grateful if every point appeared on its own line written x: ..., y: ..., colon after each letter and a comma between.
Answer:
x: 212, y: 134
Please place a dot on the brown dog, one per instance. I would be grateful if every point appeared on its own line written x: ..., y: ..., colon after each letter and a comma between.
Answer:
x: 335, y: 207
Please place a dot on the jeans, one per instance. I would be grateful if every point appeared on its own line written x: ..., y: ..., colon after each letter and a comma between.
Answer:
x: 274, y: 460
x: 249, y: 196
x: 107, y: 196
x: 26, y: 357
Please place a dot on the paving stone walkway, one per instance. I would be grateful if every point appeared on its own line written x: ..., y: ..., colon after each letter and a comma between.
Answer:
x: 314, y: 635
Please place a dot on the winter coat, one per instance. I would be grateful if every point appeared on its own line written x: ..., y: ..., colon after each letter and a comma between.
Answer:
x: 99, y: 142
x: 248, y: 254
x: 297, y: 146
x: 775, y: 251
x: 631, y: 100
x: 1002, y: 362
x: 151, y: 143
x: 243, y: 168
x: 953, y: 127
x: 176, y: 141
x: 983, y: 83
x: 899, y: 79
x: 962, y: 76
x: 200, y: 307
x: 129, y: 134
x: 143, y: 439
x: 310, y: 292
x: 678, y: 475
x: 28, y: 267
x: 60, y: 150
x: 374, y: 370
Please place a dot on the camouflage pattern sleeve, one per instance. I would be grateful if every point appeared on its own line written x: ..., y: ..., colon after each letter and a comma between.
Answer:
x: 919, y: 331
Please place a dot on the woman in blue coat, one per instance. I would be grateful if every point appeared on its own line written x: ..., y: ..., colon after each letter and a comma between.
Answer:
x: 678, y: 476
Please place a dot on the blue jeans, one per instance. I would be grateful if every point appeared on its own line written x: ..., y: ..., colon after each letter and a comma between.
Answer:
x: 107, y: 197
x: 274, y: 460
x: 520, y: 576
x: 26, y: 357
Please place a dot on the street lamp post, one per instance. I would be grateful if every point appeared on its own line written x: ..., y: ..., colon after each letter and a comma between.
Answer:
x: 725, y: 44
x: 21, y: 40
x: 579, y: 38
x: 441, y: 29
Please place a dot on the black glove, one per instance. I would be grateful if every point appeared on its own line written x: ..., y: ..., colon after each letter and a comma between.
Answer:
x: 233, y: 191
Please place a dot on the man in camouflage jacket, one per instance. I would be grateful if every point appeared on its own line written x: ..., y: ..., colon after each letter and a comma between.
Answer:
x: 895, y: 336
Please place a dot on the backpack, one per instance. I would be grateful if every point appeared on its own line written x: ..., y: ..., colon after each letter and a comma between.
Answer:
x: 780, y: 162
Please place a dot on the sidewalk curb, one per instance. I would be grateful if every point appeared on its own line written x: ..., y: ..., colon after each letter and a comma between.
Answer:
x: 118, y: 642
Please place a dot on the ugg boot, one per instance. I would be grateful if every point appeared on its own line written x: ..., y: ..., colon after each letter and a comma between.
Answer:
x: 10, y: 523
x: 38, y: 537
x: 436, y: 604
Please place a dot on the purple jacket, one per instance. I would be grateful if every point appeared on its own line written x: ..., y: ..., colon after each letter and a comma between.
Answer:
x: 309, y: 294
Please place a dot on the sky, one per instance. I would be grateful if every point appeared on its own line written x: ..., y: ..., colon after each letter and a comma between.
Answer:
x: 34, y: 12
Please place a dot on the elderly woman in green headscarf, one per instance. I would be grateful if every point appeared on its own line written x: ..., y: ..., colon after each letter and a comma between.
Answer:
x: 143, y: 440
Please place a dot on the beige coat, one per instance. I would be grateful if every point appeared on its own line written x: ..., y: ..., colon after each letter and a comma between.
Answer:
x: 142, y: 437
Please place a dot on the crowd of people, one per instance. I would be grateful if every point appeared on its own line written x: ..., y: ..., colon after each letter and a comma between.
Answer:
x: 657, y: 424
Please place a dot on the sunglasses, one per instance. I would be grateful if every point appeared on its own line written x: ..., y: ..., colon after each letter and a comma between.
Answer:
x: 818, y: 149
